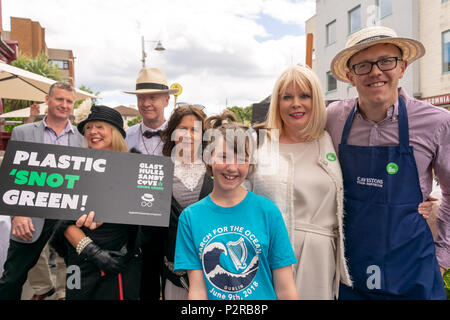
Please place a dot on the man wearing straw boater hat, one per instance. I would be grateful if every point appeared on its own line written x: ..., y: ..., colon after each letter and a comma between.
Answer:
x: 388, y: 144
x: 152, y: 92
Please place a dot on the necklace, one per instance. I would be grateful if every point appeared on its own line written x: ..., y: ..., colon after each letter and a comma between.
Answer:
x: 145, y: 146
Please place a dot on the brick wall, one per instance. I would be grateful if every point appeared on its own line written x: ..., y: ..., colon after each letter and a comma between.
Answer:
x: 29, y: 34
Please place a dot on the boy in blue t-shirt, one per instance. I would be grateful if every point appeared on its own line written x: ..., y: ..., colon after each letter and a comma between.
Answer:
x: 234, y: 244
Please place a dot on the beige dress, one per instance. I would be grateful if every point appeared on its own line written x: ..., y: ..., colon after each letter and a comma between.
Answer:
x: 302, y: 180
x: 315, y: 222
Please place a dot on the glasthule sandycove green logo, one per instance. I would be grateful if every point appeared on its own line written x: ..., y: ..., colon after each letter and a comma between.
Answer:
x: 392, y: 168
x: 331, y: 157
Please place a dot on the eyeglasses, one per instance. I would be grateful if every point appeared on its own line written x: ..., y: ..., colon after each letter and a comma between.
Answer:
x: 384, y: 64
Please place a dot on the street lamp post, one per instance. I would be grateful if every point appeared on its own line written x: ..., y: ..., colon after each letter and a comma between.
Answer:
x: 158, y: 47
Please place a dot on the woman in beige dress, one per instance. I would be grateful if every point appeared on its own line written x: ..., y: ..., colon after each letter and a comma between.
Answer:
x: 303, y: 178
x: 297, y: 168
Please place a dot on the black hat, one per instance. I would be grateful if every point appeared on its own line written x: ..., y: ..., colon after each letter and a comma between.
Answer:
x: 104, y: 113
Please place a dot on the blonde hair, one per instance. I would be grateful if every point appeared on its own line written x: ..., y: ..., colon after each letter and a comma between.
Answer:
x: 305, y: 79
x: 117, y: 141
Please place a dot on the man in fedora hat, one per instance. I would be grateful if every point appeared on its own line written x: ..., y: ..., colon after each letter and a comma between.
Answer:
x: 153, y: 94
x: 389, y: 144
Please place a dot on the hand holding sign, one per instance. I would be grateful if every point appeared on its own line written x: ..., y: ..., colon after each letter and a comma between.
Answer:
x: 87, y: 221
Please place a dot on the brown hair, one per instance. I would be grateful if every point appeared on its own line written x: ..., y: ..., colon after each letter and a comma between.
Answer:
x: 175, y: 119
x: 61, y: 85
x: 118, y: 142
x: 223, y: 123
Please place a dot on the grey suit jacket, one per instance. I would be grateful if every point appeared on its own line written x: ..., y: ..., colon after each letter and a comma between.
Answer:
x: 34, y: 132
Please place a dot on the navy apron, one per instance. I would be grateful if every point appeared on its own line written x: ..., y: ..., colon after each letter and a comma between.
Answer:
x: 389, y: 246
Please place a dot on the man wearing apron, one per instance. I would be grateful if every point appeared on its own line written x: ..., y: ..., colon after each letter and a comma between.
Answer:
x: 388, y: 144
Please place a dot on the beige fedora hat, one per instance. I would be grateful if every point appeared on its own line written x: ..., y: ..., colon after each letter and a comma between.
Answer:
x: 151, y: 80
x: 367, y: 37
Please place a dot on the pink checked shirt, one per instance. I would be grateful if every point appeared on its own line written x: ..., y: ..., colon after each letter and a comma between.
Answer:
x: 429, y: 135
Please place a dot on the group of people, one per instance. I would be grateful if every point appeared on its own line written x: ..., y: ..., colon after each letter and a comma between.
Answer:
x: 329, y: 203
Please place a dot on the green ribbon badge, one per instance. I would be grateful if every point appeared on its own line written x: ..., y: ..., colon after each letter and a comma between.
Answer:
x: 392, y: 168
x: 331, y: 157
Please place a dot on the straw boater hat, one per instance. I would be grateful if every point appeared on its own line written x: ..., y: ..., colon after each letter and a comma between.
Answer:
x: 151, y: 80
x: 411, y: 49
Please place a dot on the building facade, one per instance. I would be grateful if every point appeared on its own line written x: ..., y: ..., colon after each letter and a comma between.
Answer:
x: 425, y: 20
x: 310, y: 27
x: 64, y: 59
x: 435, y: 65
x: 127, y: 113
x: 8, y: 53
x: 30, y: 36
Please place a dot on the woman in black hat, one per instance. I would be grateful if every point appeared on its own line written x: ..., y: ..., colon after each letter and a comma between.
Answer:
x: 104, y: 257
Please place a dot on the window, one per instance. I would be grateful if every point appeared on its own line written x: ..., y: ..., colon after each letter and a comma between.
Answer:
x: 354, y: 20
x: 384, y: 8
x: 61, y: 64
x: 331, y: 32
x: 331, y: 82
x: 446, y: 51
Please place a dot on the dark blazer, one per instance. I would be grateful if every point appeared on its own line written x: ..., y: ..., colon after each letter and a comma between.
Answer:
x: 170, y: 235
x: 34, y: 132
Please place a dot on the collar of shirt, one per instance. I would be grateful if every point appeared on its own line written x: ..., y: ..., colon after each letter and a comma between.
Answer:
x: 151, y: 146
x: 392, y: 114
x: 162, y: 127
x: 67, y: 129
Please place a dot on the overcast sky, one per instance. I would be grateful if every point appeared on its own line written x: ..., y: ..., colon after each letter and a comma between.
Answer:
x: 222, y: 52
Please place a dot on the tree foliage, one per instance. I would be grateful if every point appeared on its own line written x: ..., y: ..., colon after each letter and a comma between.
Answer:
x: 243, y: 115
x: 89, y: 90
x: 39, y: 65
x: 134, y: 121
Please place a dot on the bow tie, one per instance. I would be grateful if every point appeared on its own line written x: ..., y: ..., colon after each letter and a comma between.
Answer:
x: 149, y: 134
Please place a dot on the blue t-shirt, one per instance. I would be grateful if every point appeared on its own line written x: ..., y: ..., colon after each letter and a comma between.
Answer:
x: 236, y: 247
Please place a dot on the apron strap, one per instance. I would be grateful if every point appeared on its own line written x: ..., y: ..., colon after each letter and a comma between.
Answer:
x: 403, y: 126
x: 348, y: 124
